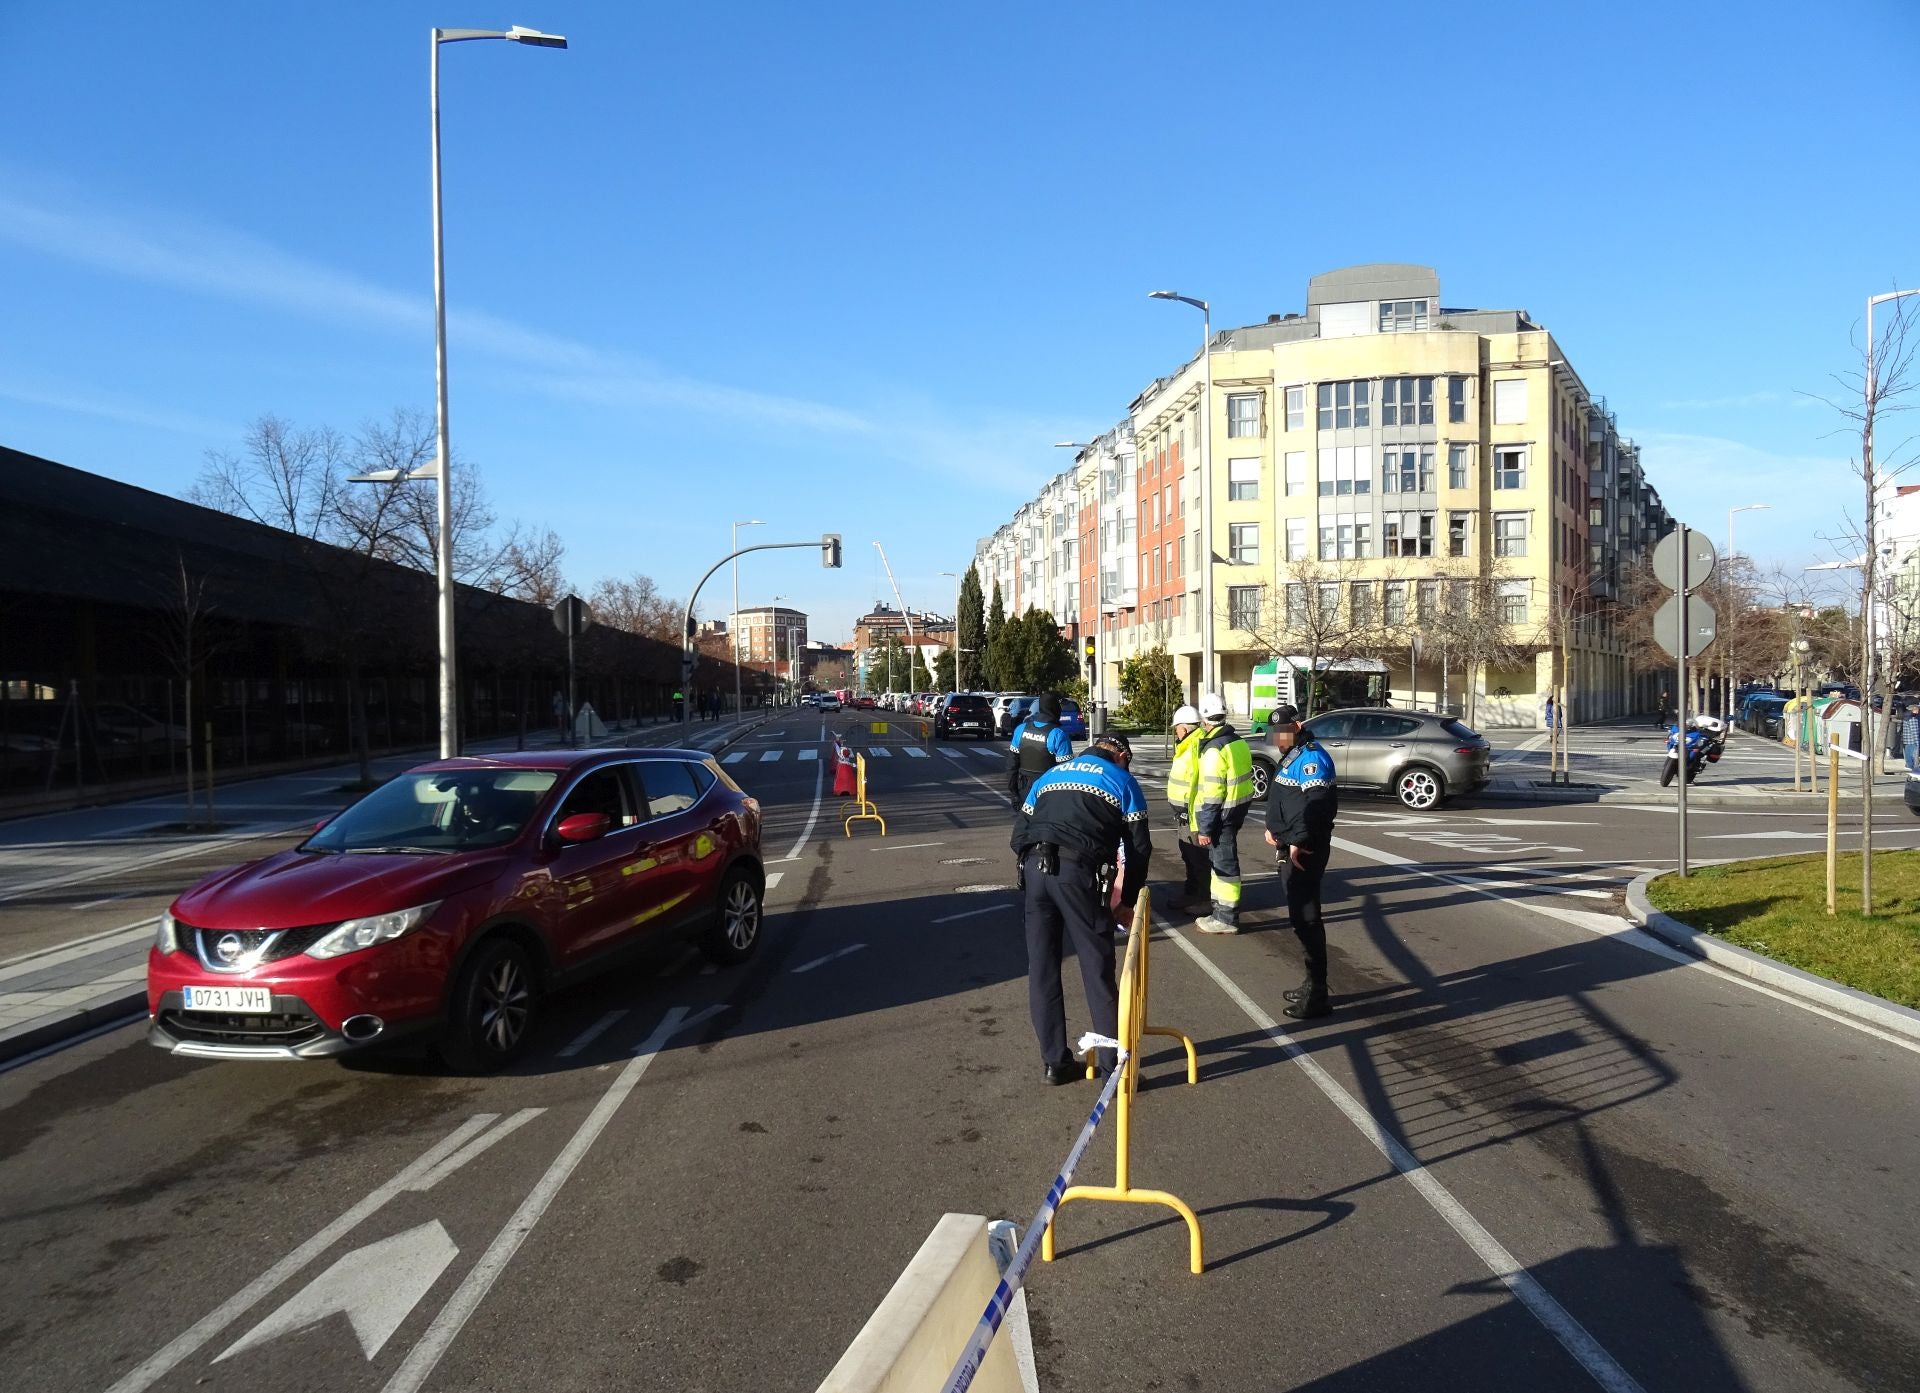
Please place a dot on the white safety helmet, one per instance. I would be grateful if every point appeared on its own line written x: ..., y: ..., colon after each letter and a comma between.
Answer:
x: 1186, y: 716
x: 1212, y: 708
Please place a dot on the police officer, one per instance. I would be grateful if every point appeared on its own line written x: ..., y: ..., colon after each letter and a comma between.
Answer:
x: 1065, y: 836
x: 1222, y: 797
x: 1038, y: 744
x: 1302, y: 802
x: 1183, y: 788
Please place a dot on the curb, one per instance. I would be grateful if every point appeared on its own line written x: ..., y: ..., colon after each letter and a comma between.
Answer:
x: 1820, y: 991
x: 1619, y: 797
x: 24, y: 1040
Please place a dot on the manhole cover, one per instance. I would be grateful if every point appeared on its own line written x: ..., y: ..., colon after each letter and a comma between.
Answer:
x: 979, y: 889
x: 965, y: 861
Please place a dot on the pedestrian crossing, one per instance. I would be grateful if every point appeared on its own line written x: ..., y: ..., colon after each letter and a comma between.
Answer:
x: 992, y: 753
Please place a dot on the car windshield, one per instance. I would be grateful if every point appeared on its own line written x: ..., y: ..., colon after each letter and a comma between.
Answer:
x: 440, y: 810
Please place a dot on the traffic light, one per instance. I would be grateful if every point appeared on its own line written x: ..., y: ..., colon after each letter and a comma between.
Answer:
x: 830, y: 550
x: 1090, y: 649
x: 689, y: 628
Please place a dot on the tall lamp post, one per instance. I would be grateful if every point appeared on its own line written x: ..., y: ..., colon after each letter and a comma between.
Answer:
x: 1208, y: 679
x: 958, y: 685
x: 443, y: 496
x: 773, y: 641
x: 1726, y: 603
x: 734, y: 622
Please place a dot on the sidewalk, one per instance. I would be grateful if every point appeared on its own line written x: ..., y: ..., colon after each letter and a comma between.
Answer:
x: 57, y: 981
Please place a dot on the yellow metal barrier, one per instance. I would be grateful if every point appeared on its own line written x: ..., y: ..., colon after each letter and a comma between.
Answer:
x: 1133, y: 1015
x: 863, y: 810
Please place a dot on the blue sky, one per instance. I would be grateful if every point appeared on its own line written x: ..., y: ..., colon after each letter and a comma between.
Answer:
x: 855, y: 266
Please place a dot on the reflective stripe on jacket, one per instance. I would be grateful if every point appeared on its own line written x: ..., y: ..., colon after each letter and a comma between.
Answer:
x: 1225, y: 789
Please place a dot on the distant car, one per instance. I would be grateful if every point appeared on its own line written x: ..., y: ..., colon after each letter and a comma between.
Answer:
x: 827, y: 701
x: 1913, y: 793
x: 1071, y: 719
x: 964, y: 713
x: 1013, y: 710
x: 449, y: 901
x: 1420, y: 758
x: 863, y: 703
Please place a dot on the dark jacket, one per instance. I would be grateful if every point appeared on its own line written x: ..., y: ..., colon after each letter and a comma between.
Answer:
x: 1089, y: 807
x: 1302, y: 798
x: 1038, y: 745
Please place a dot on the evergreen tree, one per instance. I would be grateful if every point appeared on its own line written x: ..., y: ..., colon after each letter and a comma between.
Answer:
x: 993, y: 642
x: 971, y: 631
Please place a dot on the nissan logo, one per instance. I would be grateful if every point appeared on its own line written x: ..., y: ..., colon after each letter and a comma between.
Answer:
x: 228, y: 949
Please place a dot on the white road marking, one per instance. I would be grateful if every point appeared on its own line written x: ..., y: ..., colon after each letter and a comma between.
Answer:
x: 905, y: 846
x: 1559, y: 1322
x: 1620, y: 931
x: 968, y: 914
x: 952, y: 753
x: 169, y: 1357
x: 737, y: 756
x: 105, y: 899
x: 849, y: 950
x: 774, y: 878
x: 590, y: 1034
x: 121, y: 937
x: 769, y: 756
x: 808, y: 753
x: 477, y: 1146
x: 915, y: 752
x: 988, y: 752
x: 813, y: 815
x: 423, y: 1358
x: 1781, y: 836
x: 375, y: 1287
x: 120, y: 867
x: 879, y: 752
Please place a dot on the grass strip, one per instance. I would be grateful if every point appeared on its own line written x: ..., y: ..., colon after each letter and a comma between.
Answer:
x: 1778, y: 907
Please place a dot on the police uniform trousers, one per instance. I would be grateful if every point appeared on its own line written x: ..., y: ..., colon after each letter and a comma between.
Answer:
x: 1061, y: 909
x: 1303, y: 909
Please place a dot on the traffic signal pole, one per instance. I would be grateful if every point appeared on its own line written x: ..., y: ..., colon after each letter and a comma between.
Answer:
x: 830, y: 558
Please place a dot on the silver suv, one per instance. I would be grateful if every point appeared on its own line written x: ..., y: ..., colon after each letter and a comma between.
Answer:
x: 1420, y: 758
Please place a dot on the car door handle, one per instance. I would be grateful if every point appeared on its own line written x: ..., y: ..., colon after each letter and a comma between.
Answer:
x: 1396, y: 744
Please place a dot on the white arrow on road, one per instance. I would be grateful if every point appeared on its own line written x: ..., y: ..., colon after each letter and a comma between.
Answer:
x: 374, y: 1287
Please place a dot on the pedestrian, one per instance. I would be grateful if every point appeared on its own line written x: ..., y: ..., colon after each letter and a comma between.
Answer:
x: 845, y: 771
x: 1081, y: 825
x: 1038, y: 745
x: 1302, y: 802
x: 1183, y: 787
x: 1666, y: 706
x: 1549, y: 713
x: 1223, y: 794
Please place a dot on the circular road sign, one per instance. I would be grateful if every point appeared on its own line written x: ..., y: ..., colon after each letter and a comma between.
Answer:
x: 1701, y: 627
x: 1700, y: 559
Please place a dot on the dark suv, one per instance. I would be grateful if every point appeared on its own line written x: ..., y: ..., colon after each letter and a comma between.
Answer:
x: 964, y: 713
x: 447, y: 902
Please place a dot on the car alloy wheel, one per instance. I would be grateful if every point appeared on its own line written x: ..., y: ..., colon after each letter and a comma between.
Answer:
x: 505, y: 1001
x: 492, y: 1009
x: 1419, y: 789
x: 735, y: 931
x: 1262, y: 776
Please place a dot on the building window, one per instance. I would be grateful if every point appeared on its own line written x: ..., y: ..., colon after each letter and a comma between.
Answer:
x: 1243, y: 607
x: 1180, y: 556
x: 1345, y: 404
x: 1458, y: 525
x: 1296, y: 408
x: 1243, y: 480
x: 1243, y: 543
x: 1510, y: 468
x: 1362, y: 603
x: 1363, y: 537
x: 1296, y: 606
x: 1513, y: 601
x: 1156, y: 510
x: 1327, y: 593
x: 1456, y: 466
x: 1394, y: 609
x: 1296, y: 539
x: 1346, y: 470
x: 1509, y: 534
x: 1406, y: 401
x: 1510, y: 401
x: 1126, y: 527
x: 1403, y: 316
x: 1296, y: 473
x: 1456, y: 399
x: 1243, y: 415
x: 1407, y: 471
x: 1426, y: 600
x: 1329, y: 541
x: 1408, y: 534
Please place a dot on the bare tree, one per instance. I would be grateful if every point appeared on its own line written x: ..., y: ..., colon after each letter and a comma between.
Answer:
x: 529, y: 567
x: 1327, y: 612
x: 1478, y: 621
x: 634, y: 603
x: 399, y: 520
x: 283, y: 477
x: 184, y: 645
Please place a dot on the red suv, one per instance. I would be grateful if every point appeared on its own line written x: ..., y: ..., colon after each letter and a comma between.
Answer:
x: 448, y: 901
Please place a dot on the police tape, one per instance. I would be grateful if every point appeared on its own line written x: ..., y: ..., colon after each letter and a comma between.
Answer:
x: 968, y: 1365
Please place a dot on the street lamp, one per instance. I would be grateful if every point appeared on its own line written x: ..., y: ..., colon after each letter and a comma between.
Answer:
x: 773, y: 641
x: 1726, y: 603
x: 958, y: 685
x: 735, y: 621
x: 443, y: 497
x: 1207, y: 679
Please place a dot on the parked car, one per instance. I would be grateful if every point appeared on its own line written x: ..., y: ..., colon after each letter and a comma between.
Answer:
x: 863, y: 703
x: 827, y: 701
x: 1419, y: 757
x: 1071, y: 720
x: 1913, y: 793
x: 448, y: 902
x: 964, y: 713
x: 1012, y: 710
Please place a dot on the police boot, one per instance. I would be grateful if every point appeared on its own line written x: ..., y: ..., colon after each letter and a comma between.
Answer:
x: 1311, y: 1003
x: 1303, y: 990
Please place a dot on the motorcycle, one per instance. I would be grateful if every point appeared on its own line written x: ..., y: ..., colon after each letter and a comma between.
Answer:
x: 1715, y: 731
x: 1697, y: 746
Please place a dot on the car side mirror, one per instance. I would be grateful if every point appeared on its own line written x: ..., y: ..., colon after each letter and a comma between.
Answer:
x: 584, y: 827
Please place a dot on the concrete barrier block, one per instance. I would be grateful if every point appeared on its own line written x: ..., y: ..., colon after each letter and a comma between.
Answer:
x: 912, y: 1339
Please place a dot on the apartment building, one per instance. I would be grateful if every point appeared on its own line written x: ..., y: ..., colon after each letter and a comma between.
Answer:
x: 1430, y: 496
x: 768, y: 633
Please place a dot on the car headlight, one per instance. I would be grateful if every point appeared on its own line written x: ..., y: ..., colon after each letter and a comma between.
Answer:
x: 356, y: 934
x: 166, y: 937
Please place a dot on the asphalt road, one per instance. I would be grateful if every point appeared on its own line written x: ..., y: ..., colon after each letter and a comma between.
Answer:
x: 1530, y: 1150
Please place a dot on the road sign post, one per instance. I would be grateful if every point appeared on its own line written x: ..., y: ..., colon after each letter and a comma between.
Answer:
x: 1684, y: 626
x: 571, y: 617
